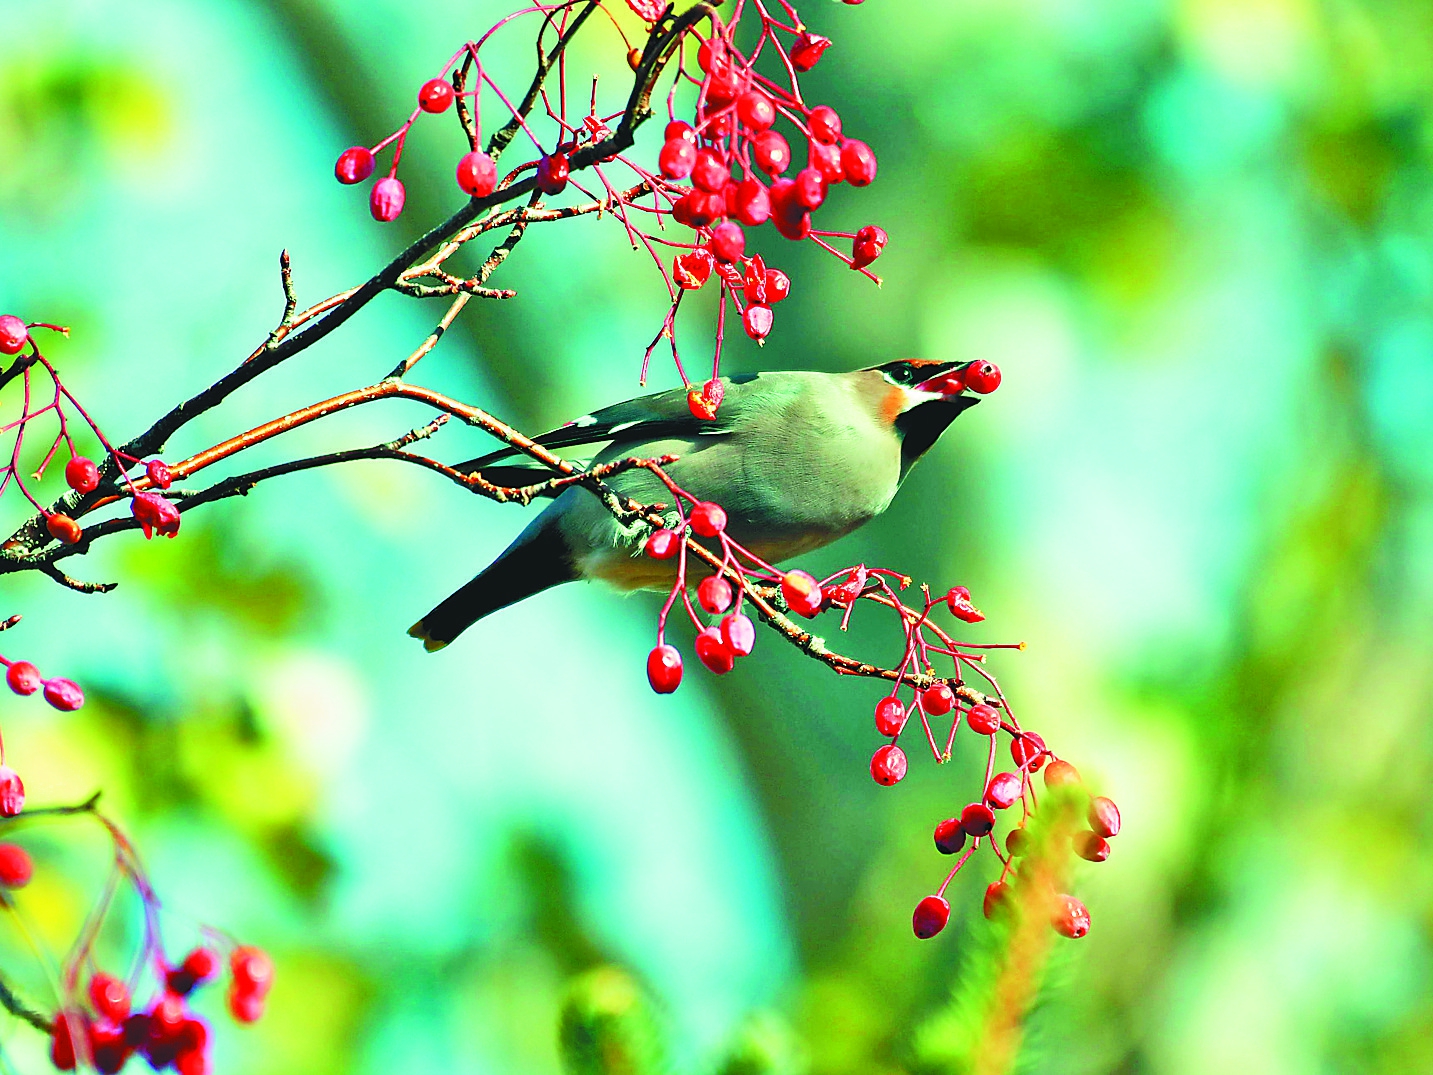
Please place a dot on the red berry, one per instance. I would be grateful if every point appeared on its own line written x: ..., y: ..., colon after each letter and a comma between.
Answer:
x: 16, y: 869
x: 983, y: 719
x: 738, y: 632
x: 958, y: 601
x: 552, y: 173
x: 997, y: 899
x: 890, y: 715
x: 1091, y: 845
x: 791, y: 219
x: 202, y: 963
x: 1017, y: 842
x: 888, y: 765
x: 728, y: 241
x: 679, y: 128
x: 1003, y: 789
x: 977, y: 819
x: 664, y: 668
x: 63, y: 528
x: 810, y: 189
x: 692, y: 269
x: 982, y: 377
x: 13, y: 334
x: 724, y: 85
x: 931, y: 915
x: 771, y: 153
x: 663, y: 544
x: 477, y: 174
x: 435, y: 95
x: 12, y: 792
x: 858, y: 162
x: 62, y: 1046
x: 353, y: 165
x: 807, y: 50
x: 704, y: 401
x: 801, y: 591
x: 110, y: 996
x: 107, y: 1048
x: 1070, y: 918
x: 385, y: 201
x: 158, y: 473
x: 713, y: 652
x: 245, y: 1007
x: 826, y: 160
x: 252, y: 969
x: 193, y: 1061
x: 696, y: 208
x: 825, y: 124
x: 708, y: 519
x: 155, y: 514
x: 938, y: 699
x: 756, y: 110
x: 1104, y: 816
x: 1061, y: 774
x: 715, y: 594
x: 757, y: 319
x: 64, y: 694
x: 1028, y: 750
x: 82, y: 475
x: 949, y: 836
x: 709, y: 172
x: 867, y: 246
x: 167, y: 1015
x: 23, y: 677
x: 676, y: 158
x: 752, y: 203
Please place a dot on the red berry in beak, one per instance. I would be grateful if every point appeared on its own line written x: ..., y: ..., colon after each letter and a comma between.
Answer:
x: 982, y: 377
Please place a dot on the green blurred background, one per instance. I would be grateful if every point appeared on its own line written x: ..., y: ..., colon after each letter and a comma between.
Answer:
x: 1198, y: 238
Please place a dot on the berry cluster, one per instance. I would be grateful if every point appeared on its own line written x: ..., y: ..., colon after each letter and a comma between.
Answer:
x: 723, y: 169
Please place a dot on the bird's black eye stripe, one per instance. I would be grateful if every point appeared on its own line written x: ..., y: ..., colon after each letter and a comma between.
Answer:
x: 901, y: 373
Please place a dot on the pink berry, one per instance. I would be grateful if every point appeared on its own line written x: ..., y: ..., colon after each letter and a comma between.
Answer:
x: 477, y: 174
x: 983, y: 719
x: 756, y: 110
x: 158, y: 473
x: 552, y: 173
x: 938, y: 699
x: 757, y: 319
x: 728, y: 241
x: 888, y: 765
x: 977, y: 819
x: 739, y: 633
x: 664, y: 669
x: 1061, y: 774
x: 1028, y: 750
x: 385, y: 201
x: 825, y: 124
x: 12, y: 792
x: 1091, y: 846
x: 662, y: 545
x: 867, y: 246
x: 110, y: 996
x: 810, y: 189
x: 676, y: 158
x: 807, y: 50
x: 858, y: 161
x: 771, y: 153
x: 82, y: 475
x: 1070, y: 918
x: 715, y: 594
x: 997, y: 899
x: 13, y: 334
x: 1104, y: 816
x: 826, y: 160
x: 64, y: 694
x: 931, y: 915
x: 678, y: 128
x: 435, y: 95
x: 949, y: 836
x: 155, y: 514
x: 802, y: 592
x: 890, y: 715
x: 708, y: 519
x: 709, y: 172
x: 751, y: 203
x: 982, y: 377
x: 713, y: 652
x: 1003, y: 790
x: 354, y: 165
x: 23, y: 677
x: 958, y: 601
x: 16, y: 869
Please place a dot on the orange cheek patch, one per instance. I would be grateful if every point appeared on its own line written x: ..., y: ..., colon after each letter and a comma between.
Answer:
x: 892, y: 405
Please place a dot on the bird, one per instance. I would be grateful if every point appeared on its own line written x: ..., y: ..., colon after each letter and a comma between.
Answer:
x: 796, y: 458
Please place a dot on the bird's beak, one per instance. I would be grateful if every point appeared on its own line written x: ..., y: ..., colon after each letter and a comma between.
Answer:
x: 948, y: 383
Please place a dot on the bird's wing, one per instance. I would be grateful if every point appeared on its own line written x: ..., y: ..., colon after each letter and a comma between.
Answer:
x: 662, y: 416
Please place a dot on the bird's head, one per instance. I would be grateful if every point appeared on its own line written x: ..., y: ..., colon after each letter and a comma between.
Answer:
x: 920, y: 397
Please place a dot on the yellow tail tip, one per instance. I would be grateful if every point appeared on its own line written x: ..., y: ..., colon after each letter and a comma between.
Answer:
x: 418, y: 631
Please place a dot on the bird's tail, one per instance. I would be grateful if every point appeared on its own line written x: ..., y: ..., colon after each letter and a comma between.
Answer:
x: 531, y: 564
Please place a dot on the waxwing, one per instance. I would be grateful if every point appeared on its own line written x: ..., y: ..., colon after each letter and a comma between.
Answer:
x: 797, y: 460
